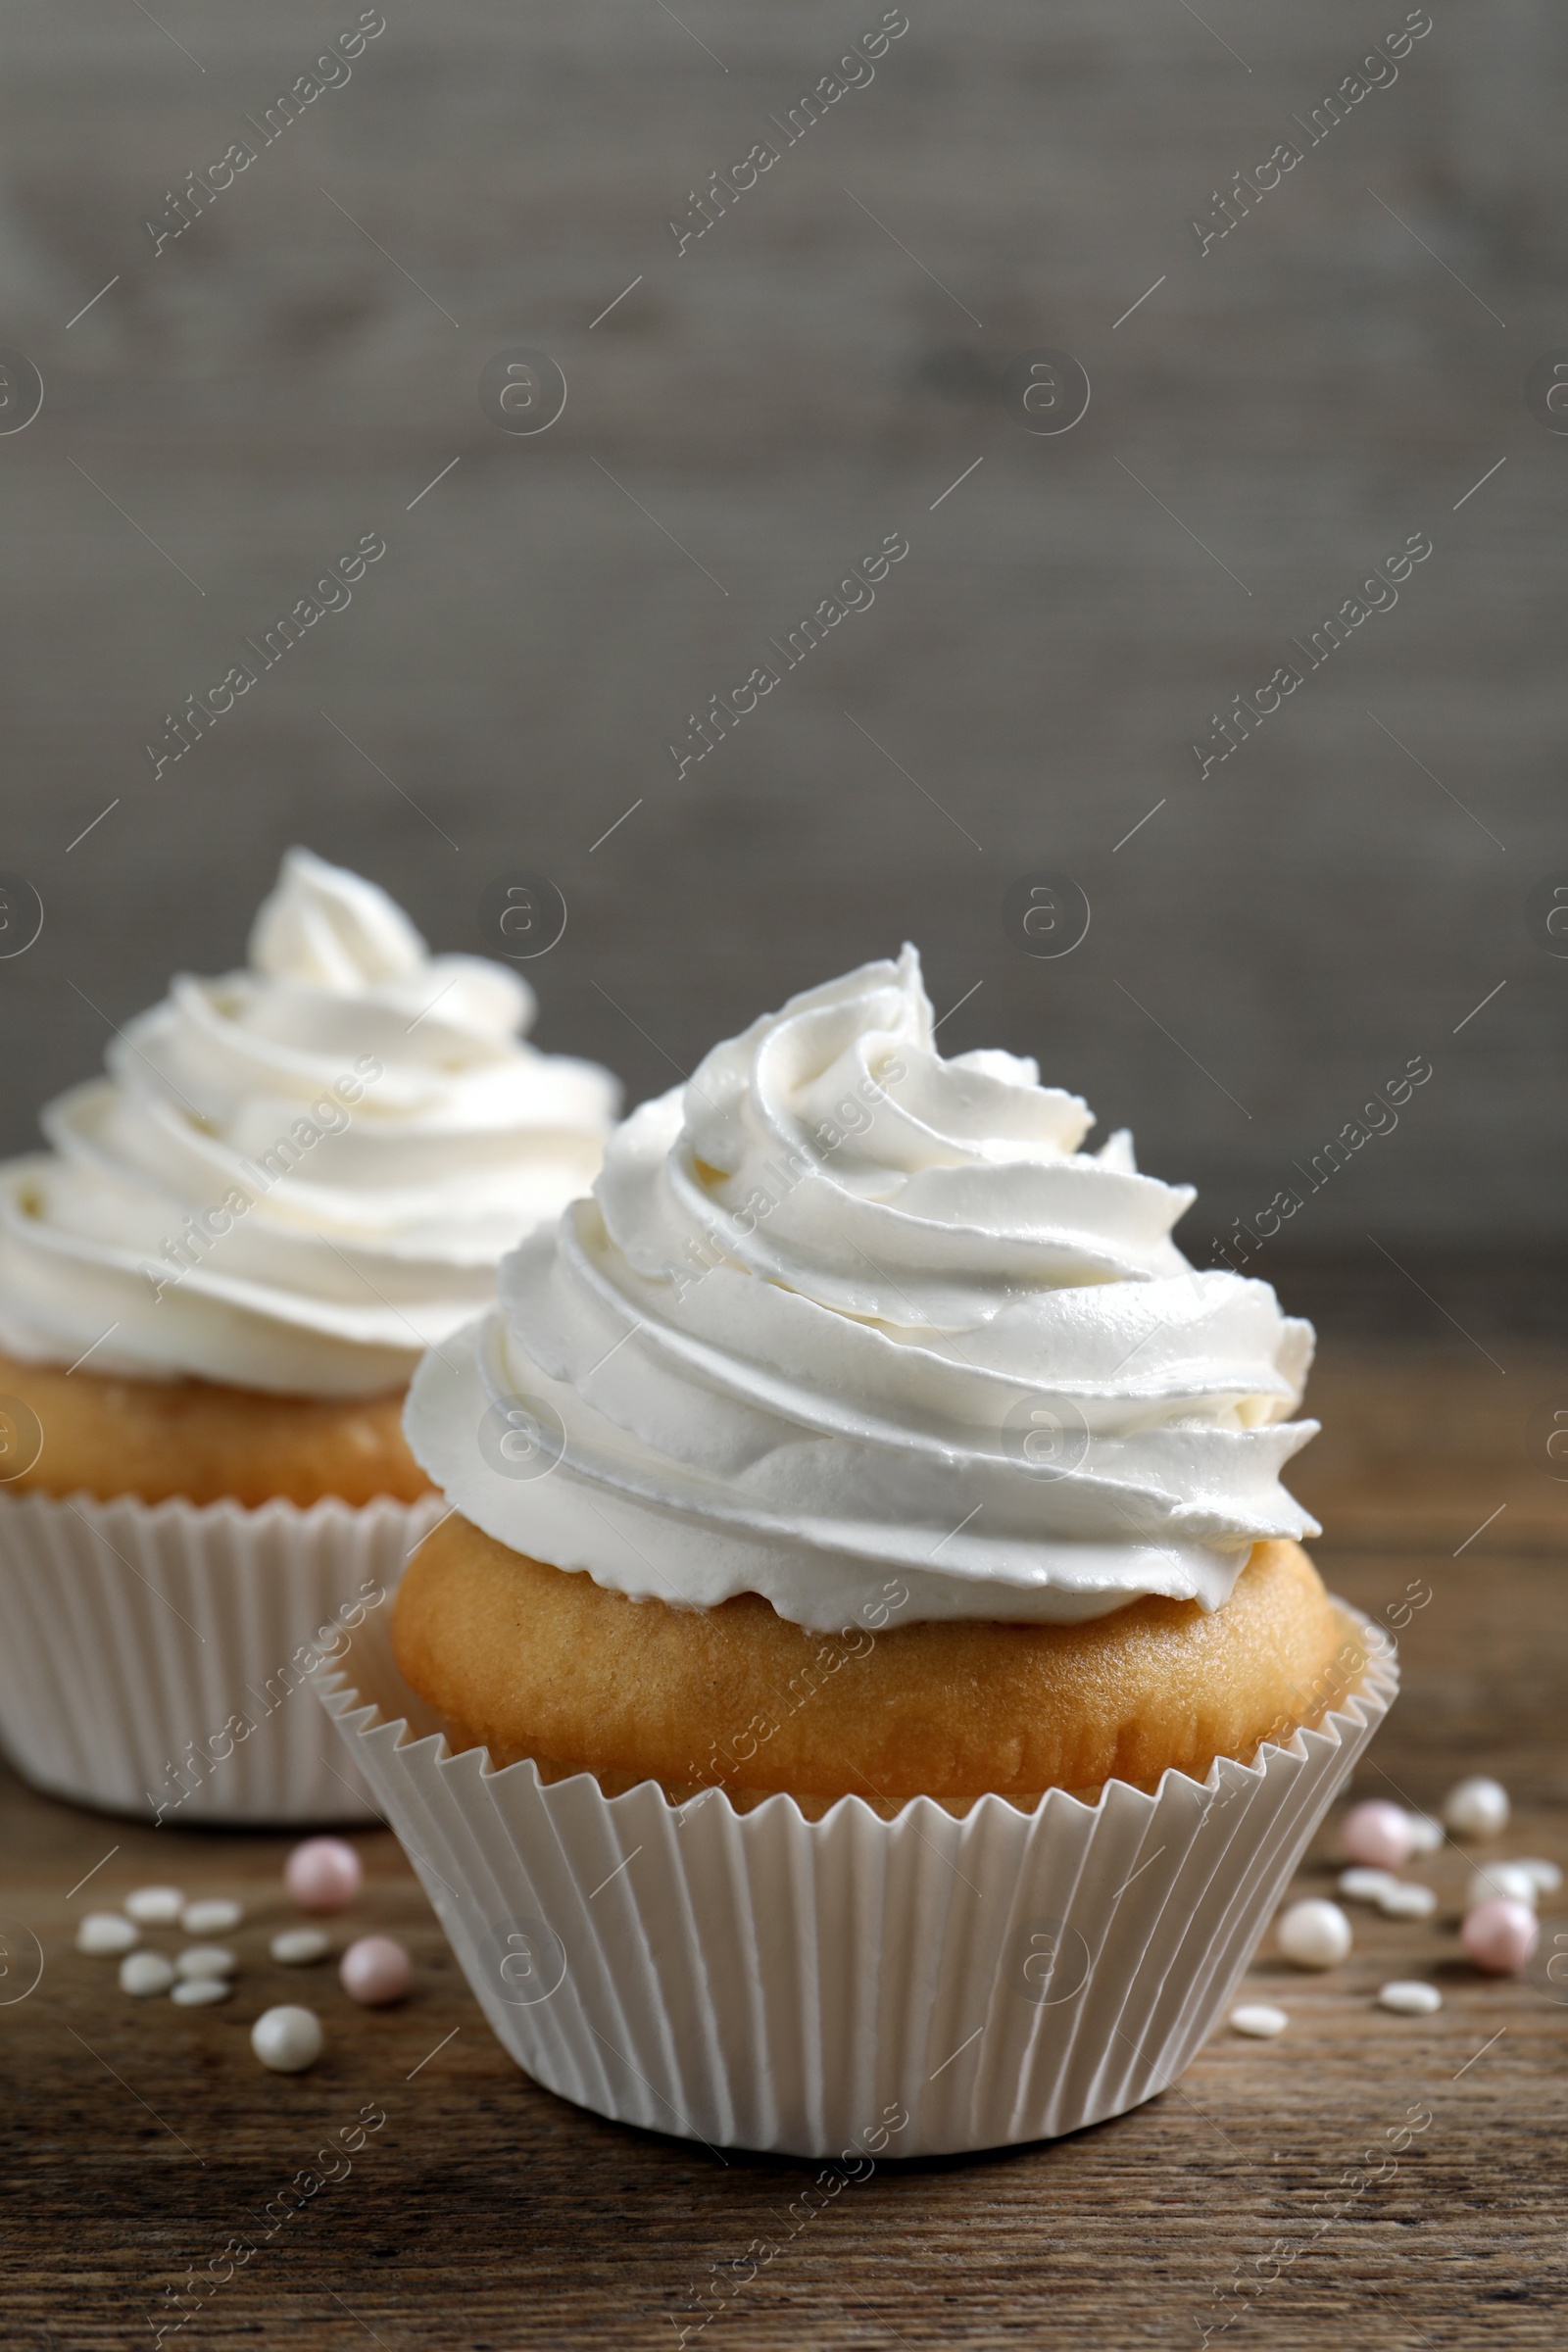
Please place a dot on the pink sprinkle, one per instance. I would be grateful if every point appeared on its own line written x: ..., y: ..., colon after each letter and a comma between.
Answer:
x: 1501, y: 1937
x: 323, y: 1873
x: 1377, y: 1833
x: 375, y: 1971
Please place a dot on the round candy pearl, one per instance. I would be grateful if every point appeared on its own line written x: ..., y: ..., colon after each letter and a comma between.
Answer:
x: 1426, y: 1835
x: 1502, y: 1882
x: 106, y: 1935
x: 1476, y: 1808
x: 155, y: 1906
x: 1314, y: 1934
x: 142, y: 1973
x: 1500, y: 1937
x: 1377, y: 1833
x: 323, y: 1873
x: 288, y: 2039
x: 375, y: 1971
x: 1259, y: 2019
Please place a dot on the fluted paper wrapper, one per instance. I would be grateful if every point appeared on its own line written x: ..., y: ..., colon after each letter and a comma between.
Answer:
x: 761, y: 1981
x: 136, y: 1640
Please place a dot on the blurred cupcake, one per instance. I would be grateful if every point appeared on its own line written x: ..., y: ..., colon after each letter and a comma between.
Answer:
x: 863, y: 1476
x: 213, y: 1290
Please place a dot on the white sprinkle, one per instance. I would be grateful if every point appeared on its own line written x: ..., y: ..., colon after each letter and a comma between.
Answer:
x: 199, y: 1992
x: 142, y: 1973
x: 1476, y: 1808
x: 1410, y: 1997
x: 1426, y: 1835
x: 1546, y: 1875
x: 288, y: 2039
x: 1406, y: 1900
x: 1502, y: 1882
x: 106, y: 1935
x: 297, y: 1947
x: 1363, y: 1885
x: 214, y: 1916
x: 1260, y: 2018
x: 206, y: 1960
x: 1314, y: 1934
x: 155, y: 1906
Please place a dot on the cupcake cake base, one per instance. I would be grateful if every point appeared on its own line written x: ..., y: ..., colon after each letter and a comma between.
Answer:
x: 916, y: 1985
x: 205, y: 1440
x: 525, y: 1660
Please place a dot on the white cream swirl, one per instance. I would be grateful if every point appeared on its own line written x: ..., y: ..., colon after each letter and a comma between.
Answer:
x: 299, y: 1176
x: 864, y: 1329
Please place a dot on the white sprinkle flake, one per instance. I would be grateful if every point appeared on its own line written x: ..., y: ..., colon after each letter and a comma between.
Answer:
x: 105, y: 1934
x: 1546, y: 1875
x: 1426, y: 1835
x: 1361, y: 1884
x: 297, y: 1947
x: 1406, y: 1900
x: 1410, y: 1998
x: 1258, y: 2019
x: 200, y: 1993
x: 155, y: 1906
x: 142, y: 1973
x: 213, y: 1916
x: 206, y: 1960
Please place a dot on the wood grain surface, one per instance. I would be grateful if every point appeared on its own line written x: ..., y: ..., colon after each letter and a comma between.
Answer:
x: 301, y: 366
x: 486, y: 2214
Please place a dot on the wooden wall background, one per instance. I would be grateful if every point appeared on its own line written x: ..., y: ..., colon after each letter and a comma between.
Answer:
x: 1323, y: 382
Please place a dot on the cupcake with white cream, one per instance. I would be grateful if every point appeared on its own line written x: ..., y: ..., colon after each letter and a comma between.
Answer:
x: 214, y: 1286
x: 862, y: 1468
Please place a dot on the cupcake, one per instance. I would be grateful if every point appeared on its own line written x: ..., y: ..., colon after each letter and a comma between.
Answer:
x: 213, y: 1287
x: 870, y: 1666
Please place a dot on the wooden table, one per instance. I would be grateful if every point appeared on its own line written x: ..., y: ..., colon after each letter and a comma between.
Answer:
x: 751, y: 416
x: 485, y: 2213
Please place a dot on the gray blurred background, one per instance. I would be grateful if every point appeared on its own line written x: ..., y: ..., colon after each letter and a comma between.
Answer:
x: 758, y: 410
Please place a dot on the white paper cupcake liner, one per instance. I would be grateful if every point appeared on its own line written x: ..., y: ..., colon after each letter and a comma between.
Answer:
x: 137, y: 1641
x: 759, y: 1980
